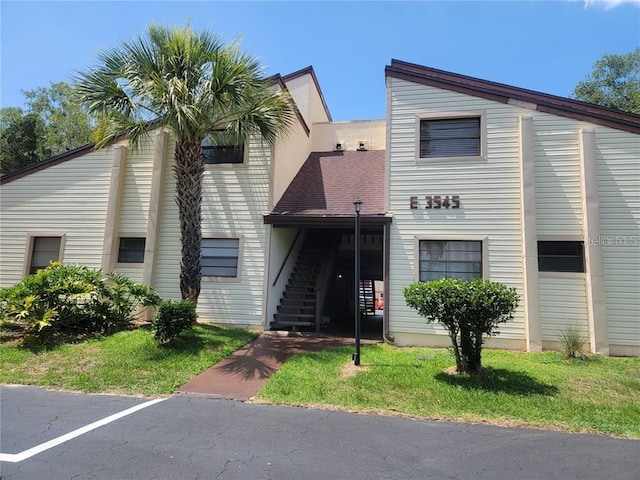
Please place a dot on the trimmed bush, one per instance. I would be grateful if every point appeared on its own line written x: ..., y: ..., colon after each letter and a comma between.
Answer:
x: 172, y: 319
x: 74, y: 298
x: 468, y: 309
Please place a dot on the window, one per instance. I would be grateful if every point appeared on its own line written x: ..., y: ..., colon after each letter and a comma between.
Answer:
x: 44, y: 251
x: 131, y: 250
x: 220, y: 257
x: 450, y: 258
x: 561, y: 256
x: 222, y: 147
x: 450, y: 137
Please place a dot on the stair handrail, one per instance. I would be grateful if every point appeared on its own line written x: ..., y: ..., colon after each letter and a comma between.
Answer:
x: 286, y: 258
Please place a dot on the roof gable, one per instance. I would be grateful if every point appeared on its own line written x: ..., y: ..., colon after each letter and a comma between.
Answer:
x: 499, y: 92
x: 309, y: 71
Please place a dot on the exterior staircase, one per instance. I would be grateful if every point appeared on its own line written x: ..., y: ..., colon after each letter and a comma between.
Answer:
x: 367, y: 297
x: 298, y: 305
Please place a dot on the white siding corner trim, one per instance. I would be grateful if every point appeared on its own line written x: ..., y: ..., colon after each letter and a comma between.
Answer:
x: 110, y: 245
x: 596, y: 306
x: 531, y: 300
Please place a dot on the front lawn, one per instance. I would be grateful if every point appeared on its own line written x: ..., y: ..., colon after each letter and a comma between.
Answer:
x: 128, y: 362
x: 600, y: 395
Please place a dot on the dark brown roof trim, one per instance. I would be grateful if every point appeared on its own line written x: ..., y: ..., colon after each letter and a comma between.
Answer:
x: 277, y: 80
x: 499, y: 92
x: 63, y: 157
x: 326, y: 221
x: 309, y: 71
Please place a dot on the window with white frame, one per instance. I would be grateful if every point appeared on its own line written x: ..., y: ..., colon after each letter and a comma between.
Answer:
x: 131, y: 250
x: 450, y: 137
x: 221, y: 147
x: 44, y: 250
x: 220, y: 257
x: 561, y: 256
x: 450, y: 258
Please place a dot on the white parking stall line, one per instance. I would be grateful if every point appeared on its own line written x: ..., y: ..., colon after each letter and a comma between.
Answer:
x: 19, y: 457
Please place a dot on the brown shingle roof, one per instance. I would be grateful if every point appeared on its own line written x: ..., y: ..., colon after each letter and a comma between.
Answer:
x: 329, y: 182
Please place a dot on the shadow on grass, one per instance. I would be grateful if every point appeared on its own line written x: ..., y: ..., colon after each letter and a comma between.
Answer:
x: 265, y: 355
x: 210, y: 337
x: 499, y: 380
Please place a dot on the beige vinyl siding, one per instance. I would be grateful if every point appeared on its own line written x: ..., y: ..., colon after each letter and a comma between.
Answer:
x: 618, y: 157
x: 136, y: 189
x: 234, y: 199
x: 563, y: 303
x: 488, y: 188
x: 167, y: 277
x: 557, y: 173
x: 69, y: 198
x: 132, y: 271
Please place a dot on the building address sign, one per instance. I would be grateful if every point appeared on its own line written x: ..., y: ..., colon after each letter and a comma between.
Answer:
x: 436, y: 201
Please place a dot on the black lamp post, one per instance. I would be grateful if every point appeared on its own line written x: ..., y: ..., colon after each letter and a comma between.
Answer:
x: 356, y: 356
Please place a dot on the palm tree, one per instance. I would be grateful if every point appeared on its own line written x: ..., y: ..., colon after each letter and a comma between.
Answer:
x: 191, y: 83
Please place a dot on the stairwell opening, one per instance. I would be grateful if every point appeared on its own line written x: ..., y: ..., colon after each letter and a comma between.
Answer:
x: 320, y: 292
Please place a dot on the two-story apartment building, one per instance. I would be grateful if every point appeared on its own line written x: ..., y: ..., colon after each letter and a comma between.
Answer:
x: 463, y: 178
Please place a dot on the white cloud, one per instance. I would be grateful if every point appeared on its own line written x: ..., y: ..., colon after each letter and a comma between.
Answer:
x: 608, y: 4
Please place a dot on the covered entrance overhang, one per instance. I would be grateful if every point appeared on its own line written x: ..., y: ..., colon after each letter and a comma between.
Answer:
x: 311, y: 281
x: 326, y: 221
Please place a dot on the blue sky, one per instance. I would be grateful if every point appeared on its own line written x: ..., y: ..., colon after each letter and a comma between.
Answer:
x: 547, y: 46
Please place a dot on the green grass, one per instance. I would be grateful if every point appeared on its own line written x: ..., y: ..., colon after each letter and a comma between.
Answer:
x: 600, y: 395
x: 128, y: 362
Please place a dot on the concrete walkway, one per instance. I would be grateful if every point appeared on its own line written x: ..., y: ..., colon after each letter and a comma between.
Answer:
x: 241, y: 375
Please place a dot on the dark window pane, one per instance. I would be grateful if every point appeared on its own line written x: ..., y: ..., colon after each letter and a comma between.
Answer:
x: 45, y: 250
x: 456, y: 137
x: 131, y: 250
x: 554, y: 256
x: 218, y: 154
x: 222, y: 146
x: 450, y: 258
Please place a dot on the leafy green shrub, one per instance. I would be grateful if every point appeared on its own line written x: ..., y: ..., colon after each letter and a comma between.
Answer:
x: 172, y: 319
x: 74, y: 298
x: 468, y: 309
x: 572, y: 339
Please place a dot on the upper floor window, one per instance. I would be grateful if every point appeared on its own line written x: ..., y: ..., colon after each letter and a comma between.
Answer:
x: 43, y: 251
x: 221, y: 147
x: 450, y: 137
x: 561, y: 256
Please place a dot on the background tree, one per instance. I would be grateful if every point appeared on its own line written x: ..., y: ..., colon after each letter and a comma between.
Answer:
x: 22, y: 143
x: 52, y: 123
x: 67, y: 125
x: 193, y: 84
x: 469, y: 310
x: 614, y: 82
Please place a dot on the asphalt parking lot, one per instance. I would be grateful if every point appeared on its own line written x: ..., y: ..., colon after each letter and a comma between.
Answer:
x: 75, y: 436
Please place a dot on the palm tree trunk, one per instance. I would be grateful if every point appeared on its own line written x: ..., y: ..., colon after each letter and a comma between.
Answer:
x: 188, y: 171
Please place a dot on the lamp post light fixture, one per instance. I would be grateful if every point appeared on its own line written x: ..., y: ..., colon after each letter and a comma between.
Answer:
x: 356, y: 356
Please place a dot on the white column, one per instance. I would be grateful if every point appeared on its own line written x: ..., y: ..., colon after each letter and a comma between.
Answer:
x: 596, y: 306
x: 533, y: 329
x: 160, y: 141
x: 110, y: 244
